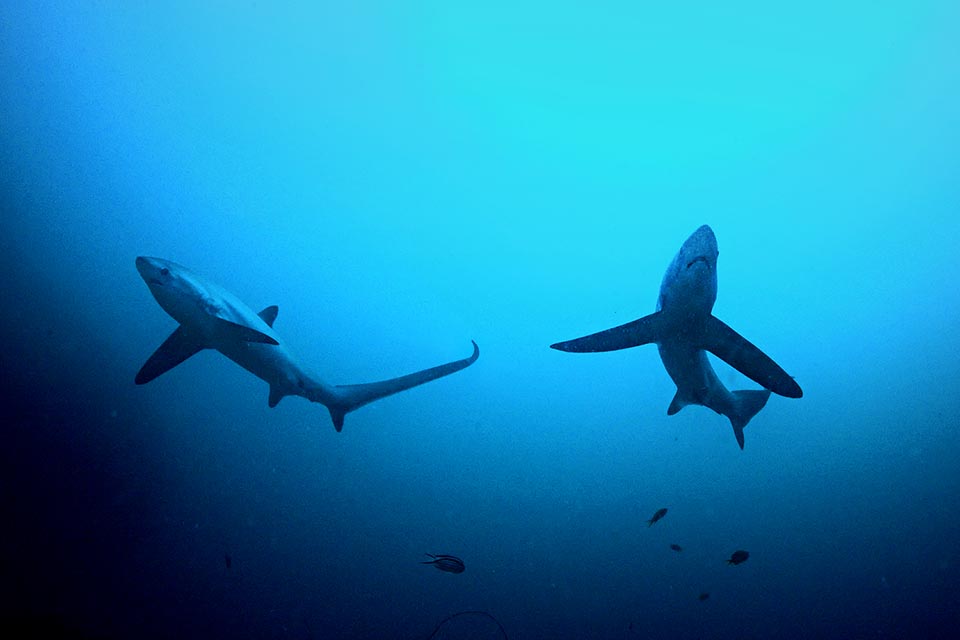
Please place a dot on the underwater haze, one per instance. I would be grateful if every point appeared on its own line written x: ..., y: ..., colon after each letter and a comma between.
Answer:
x: 403, y: 178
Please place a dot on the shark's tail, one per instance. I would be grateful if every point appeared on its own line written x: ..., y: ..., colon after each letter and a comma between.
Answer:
x: 346, y: 398
x: 746, y: 404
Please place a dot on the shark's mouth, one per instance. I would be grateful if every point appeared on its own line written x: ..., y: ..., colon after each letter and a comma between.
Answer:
x: 155, y: 281
x: 702, y: 259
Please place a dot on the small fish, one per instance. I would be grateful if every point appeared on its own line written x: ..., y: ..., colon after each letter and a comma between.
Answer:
x: 738, y: 557
x: 659, y: 514
x: 227, y: 560
x: 703, y: 596
x: 450, y: 564
x: 676, y: 547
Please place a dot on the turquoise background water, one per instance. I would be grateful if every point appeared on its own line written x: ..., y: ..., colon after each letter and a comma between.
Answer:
x: 401, y: 178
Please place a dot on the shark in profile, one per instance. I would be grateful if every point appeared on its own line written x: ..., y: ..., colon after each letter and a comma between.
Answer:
x: 212, y: 318
x: 684, y: 329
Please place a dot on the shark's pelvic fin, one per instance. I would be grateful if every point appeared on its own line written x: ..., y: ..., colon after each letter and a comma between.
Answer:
x: 746, y: 404
x: 337, y: 414
x: 275, y: 396
x: 244, y: 333
x: 353, y: 396
x: 676, y: 404
x: 174, y: 350
x: 269, y: 315
x: 632, y: 334
x: 742, y: 355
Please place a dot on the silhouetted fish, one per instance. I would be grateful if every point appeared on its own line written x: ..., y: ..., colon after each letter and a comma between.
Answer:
x: 659, y: 514
x: 703, y: 596
x: 227, y: 560
x: 676, y: 547
x: 738, y: 557
x: 450, y: 564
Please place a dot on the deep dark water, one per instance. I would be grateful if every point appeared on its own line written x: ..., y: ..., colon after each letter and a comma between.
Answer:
x: 120, y: 506
x: 403, y: 180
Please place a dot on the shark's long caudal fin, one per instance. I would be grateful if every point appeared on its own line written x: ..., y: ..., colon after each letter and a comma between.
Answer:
x: 742, y: 355
x: 353, y: 396
x: 632, y: 334
x: 174, y: 350
x: 746, y: 404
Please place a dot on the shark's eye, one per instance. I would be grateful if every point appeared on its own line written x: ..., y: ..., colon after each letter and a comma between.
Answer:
x: 164, y: 272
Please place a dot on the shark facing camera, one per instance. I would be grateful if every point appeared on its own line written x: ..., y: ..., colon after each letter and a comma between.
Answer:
x: 684, y: 329
x: 211, y: 317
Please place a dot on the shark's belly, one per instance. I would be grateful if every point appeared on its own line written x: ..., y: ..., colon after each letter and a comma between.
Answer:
x: 696, y: 381
x: 270, y: 363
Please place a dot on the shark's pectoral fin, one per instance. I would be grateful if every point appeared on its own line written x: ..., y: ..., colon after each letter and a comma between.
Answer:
x: 174, y: 350
x: 269, y: 315
x: 632, y: 334
x: 243, y: 333
x: 742, y: 355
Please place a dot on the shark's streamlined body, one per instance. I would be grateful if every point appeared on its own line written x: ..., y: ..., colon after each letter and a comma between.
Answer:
x: 684, y: 329
x: 212, y: 318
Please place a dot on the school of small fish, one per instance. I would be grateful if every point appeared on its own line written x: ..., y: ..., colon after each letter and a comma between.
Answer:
x: 737, y: 557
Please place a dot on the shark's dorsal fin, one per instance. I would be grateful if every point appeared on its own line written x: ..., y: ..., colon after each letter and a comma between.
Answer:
x: 244, y: 333
x: 742, y: 355
x: 269, y: 315
x: 632, y: 334
x: 174, y: 350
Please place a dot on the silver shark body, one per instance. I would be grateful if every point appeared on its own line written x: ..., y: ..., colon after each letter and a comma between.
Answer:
x: 211, y: 317
x: 684, y: 329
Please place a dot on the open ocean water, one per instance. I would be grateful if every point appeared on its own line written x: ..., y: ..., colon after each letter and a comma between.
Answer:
x: 403, y: 178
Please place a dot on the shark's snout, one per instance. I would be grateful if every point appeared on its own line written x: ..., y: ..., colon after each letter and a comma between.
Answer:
x: 701, y: 246
x: 152, y: 270
x: 703, y: 239
x: 146, y: 265
x: 705, y: 230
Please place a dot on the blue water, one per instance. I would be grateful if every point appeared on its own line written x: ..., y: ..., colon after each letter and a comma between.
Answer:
x: 401, y: 178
